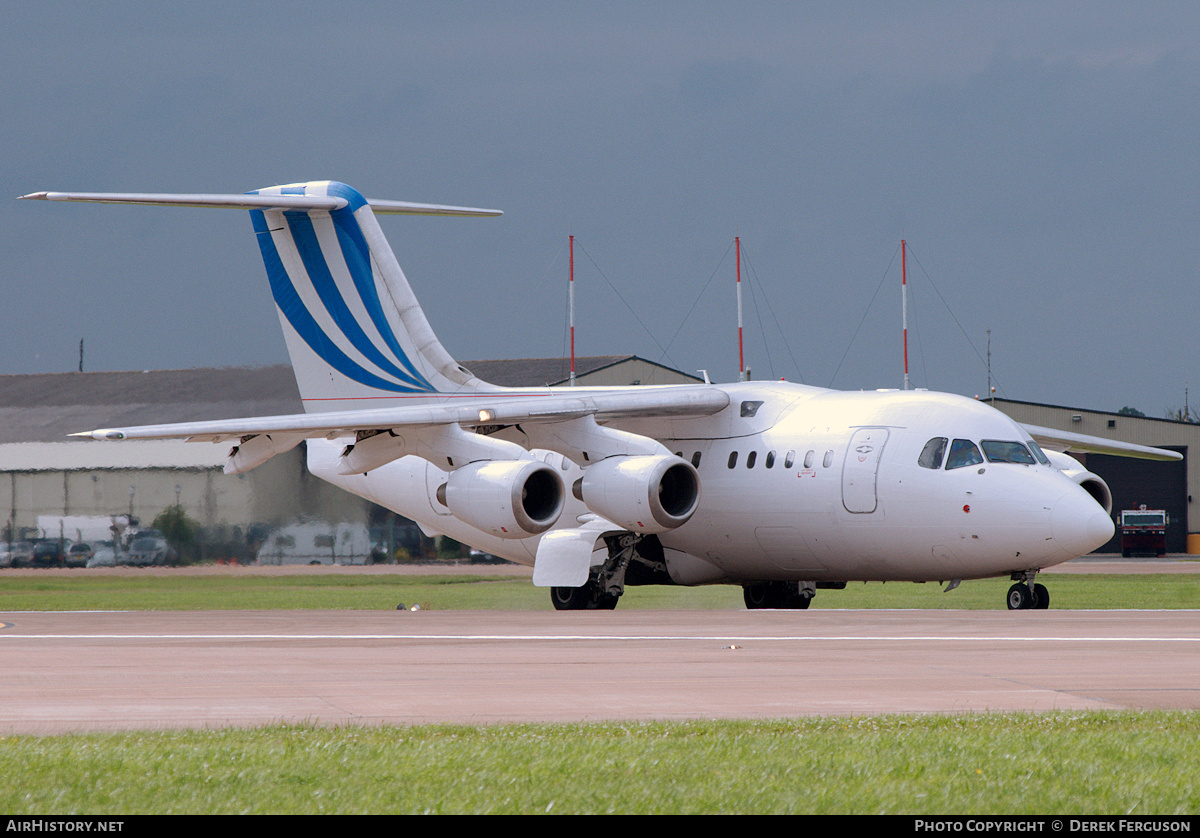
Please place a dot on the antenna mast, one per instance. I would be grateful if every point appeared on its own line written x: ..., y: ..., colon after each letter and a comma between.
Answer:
x: 571, y: 299
x: 904, y: 305
x: 737, y: 241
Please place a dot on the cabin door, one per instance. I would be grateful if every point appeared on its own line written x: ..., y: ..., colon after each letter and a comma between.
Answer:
x: 860, y: 469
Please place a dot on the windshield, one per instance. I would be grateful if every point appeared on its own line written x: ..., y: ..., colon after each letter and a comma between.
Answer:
x: 1007, y: 452
x: 963, y: 453
x: 1143, y: 519
x: 931, y: 455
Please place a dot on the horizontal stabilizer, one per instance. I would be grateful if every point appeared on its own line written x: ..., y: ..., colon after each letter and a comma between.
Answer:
x: 249, y: 202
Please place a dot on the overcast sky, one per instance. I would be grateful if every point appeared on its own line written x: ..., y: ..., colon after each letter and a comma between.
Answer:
x: 1041, y: 160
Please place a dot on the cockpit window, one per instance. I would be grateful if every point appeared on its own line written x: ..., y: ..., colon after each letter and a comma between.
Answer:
x: 963, y: 453
x: 1038, y: 452
x: 1007, y: 452
x: 932, y: 453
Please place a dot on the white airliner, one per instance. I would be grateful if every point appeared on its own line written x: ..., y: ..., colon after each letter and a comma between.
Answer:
x: 780, y: 488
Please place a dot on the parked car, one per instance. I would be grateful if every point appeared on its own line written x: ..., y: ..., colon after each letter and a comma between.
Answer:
x: 103, y: 555
x: 52, y: 552
x: 79, y: 554
x: 16, y: 554
x: 151, y: 550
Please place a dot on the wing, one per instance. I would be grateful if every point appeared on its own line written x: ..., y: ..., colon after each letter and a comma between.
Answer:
x: 1057, y: 440
x: 566, y: 422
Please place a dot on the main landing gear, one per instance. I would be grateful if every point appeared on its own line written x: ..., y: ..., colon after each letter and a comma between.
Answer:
x: 606, y: 583
x: 794, y: 595
x: 1026, y: 595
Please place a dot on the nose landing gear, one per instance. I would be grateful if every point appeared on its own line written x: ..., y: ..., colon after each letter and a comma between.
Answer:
x: 1026, y: 595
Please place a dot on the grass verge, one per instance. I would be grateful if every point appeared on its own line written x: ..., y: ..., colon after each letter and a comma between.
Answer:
x: 1062, y: 763
x: 340, y: 591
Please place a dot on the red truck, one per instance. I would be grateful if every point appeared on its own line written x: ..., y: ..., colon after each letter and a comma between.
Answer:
x: 1143, y: 531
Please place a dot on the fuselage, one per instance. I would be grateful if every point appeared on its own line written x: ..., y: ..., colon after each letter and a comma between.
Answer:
x: 804, y: 483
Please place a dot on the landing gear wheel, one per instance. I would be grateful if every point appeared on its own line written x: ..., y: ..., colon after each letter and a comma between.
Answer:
x: 799, y: 601
x: 1023, y: 596
x: 1020, y: 597
x: 586, y: 598
x: 758, y: 595
x: 1041, y: 597
x: 570, y: 599
x: 775, y: 595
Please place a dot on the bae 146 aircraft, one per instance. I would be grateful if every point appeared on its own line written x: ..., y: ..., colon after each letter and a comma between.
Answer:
x: 780, y: 488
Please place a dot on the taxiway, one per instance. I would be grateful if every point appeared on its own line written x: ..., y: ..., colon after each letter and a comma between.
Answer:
x: 82, y: 671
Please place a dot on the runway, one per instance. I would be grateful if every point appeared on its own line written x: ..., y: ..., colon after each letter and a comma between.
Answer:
x: 147, y: 670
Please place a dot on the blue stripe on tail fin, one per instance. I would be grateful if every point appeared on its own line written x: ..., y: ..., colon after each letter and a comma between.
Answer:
x: 354, y: 329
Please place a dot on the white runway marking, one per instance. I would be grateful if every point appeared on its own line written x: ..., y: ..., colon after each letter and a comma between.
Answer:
x: 805, y: 638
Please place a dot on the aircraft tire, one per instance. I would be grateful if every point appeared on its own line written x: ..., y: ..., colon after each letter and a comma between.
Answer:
x: 758, y: 595
x: 1041, y: 597
x: 799, y: 601
x: 569, y: 599
x: 582, y: 599
x: 1020, y: 598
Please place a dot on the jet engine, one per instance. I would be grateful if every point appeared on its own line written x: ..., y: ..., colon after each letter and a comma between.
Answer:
x: 507, y: 498
x: 1093, y: 484
x: 647, y: 494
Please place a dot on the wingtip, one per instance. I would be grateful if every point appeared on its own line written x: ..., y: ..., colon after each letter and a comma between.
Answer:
x: 102, y: 434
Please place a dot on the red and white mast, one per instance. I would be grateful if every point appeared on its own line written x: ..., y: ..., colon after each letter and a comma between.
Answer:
x: 904, y: 305
x: 571, y: 301
x: 737, y: 241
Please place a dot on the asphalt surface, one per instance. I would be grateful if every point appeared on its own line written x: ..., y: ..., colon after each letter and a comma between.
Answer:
x: 85, y: 671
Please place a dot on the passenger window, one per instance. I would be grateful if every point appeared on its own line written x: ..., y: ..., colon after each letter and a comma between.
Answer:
x: 750, y: 458
x: 696, y: 460
x: 932, y: 453
x: 963, y: 453
x: 809, y: 459
x: 732, y: 459
x: 828, y: 461
x: 789, y: 460
x: 770, y: 463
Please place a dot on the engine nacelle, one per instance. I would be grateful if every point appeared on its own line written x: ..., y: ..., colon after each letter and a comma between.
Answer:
x: 1093, y: 484
x: 648, y: 494
x: 506, y: 498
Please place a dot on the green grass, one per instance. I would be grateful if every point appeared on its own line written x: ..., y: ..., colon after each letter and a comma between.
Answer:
x: 1064, y: 763
x: 340, y: 591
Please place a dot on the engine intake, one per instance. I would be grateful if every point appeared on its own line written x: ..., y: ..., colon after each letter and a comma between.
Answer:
x: 1092, y: 483
x: 507, y: 498
x: 642, y: 494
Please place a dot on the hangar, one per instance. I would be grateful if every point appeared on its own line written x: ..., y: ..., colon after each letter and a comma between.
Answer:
x: 43, y: 472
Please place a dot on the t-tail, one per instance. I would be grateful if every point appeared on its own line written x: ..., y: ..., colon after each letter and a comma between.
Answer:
x: 355, y: 332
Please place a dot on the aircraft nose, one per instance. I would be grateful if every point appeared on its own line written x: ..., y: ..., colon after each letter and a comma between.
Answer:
x: 1079, y: 524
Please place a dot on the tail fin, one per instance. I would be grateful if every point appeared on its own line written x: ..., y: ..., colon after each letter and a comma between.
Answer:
x: 355, y: 332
